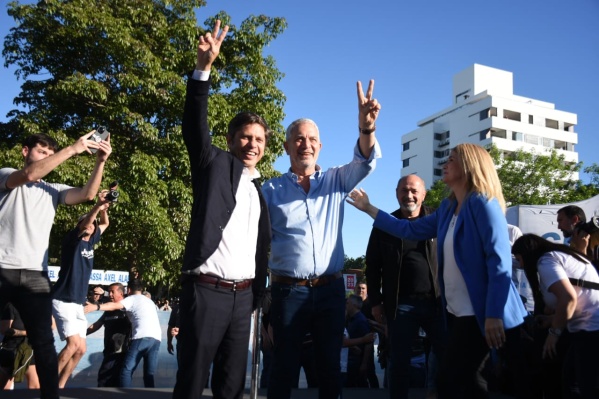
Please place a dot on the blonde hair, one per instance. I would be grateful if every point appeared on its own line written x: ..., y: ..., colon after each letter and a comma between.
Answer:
x: 479, y: 170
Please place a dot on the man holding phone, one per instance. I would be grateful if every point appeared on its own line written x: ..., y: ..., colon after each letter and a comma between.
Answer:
x: 27, y: 208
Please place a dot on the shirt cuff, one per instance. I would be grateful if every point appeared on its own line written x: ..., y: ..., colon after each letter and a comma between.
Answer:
x: 200, y: 75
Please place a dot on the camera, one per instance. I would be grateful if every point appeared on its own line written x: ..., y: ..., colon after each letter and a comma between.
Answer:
x: 589, y: 227
x: 113, y: 195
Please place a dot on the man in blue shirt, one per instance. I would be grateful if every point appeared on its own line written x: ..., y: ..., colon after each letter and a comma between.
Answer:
x: 359, y: 357
x: 306, y: 210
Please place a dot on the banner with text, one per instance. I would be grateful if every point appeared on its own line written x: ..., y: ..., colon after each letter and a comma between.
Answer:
x: 98, y: 277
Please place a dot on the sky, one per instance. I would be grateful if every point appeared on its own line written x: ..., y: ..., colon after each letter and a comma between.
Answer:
x: 412, y: 49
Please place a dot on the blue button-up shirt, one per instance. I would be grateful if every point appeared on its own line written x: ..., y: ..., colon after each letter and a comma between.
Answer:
x: 306, y: 227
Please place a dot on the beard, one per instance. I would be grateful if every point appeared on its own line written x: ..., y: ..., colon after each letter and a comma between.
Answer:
x: 409, y: 206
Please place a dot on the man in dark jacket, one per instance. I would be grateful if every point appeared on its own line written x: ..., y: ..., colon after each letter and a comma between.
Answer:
x: 227, y: 245
x: 403, y: 287
x: 117, y: 335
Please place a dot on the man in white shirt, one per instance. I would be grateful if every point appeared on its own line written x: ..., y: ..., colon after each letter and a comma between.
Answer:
x: 146, y: 333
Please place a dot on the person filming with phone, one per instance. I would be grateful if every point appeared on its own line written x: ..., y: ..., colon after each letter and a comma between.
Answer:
x: 27, y: 208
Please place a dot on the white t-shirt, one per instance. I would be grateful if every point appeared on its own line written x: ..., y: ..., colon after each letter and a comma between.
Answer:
x: 26, y: 218
x: 555, y: 266
x: 142, y: 313
x: 456, y: 292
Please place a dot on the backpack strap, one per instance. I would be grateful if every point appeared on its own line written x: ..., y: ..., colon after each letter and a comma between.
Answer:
x: 584, y: 284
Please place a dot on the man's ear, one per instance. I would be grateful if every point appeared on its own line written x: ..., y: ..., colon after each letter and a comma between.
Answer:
x: 285, y: 146
x: 25, y: 151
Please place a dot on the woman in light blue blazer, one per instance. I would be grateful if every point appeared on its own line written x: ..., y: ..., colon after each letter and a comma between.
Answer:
x: 474, y: 255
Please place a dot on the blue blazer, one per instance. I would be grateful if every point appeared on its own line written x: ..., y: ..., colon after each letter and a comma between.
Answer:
x: 482, y: 252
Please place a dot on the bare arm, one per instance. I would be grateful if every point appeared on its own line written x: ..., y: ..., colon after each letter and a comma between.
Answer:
x: 366, y: 356
x: 95, y: 326
x: 104, y: 222
x: 368, y: 112
x: 564, y: 310
x: 101, y: 208
x: 39, y: 169
x: 90, y: 307
x: 79, y: 195
x: 4, y: 326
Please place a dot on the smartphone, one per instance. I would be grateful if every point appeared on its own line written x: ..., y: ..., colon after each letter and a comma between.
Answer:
x: 100, y: 134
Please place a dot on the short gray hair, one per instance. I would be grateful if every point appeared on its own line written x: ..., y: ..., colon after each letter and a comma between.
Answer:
x: 298, y: 122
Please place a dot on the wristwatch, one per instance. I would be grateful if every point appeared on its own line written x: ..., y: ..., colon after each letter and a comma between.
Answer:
x: 98, y: 306
x: 555, y: 331
x: 367, y: 131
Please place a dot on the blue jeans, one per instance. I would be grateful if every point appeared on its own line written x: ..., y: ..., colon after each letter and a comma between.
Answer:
x: 29, y: 292
x: 146, y: 348
x: 411, y: 315
x: 295, y: 310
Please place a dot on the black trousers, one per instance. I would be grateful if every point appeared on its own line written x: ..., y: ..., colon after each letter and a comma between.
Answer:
x: 214, y: 329
x: 460, y: 372
x: 109, y: 374
x: 29, y: 292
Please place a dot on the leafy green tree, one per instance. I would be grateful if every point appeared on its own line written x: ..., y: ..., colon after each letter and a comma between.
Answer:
x: 593, y: 171
x: 536, y: 178
x: 531, y: 178
x: 358, y: 263
x: 123, y: 64
x: 584, y: 191
x: 436, y: 194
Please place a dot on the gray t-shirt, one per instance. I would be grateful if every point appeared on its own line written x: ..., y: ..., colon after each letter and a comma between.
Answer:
x: 26, y: 218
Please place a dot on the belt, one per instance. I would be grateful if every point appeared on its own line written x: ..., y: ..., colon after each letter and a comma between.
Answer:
x: 310, y: 282
x: 234, y: 285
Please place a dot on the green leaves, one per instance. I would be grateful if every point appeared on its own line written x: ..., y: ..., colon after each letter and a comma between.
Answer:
x: 535, y: 178
x: 122, y: 64
x: 531, y: 178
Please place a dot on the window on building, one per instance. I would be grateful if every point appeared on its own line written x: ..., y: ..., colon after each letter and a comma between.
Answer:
x: 484, y: 134
x: 549, y: 143
x: 438, y: 172
x: 551, y: 123
x: 517, y: 136
x: 442, y: 136
x: 406, y: 146
x: 487, y: 113
x: 531, y: 139
x: 511, y: 115
x: 406, y: 162
x: 568, y: 127
x: 498, y: 133
x: 531, y: 119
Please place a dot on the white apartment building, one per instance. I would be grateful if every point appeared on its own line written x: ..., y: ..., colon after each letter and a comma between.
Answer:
x: 485, y: 111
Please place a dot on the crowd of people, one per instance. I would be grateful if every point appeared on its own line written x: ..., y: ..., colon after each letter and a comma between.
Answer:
x: 444, y: 273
